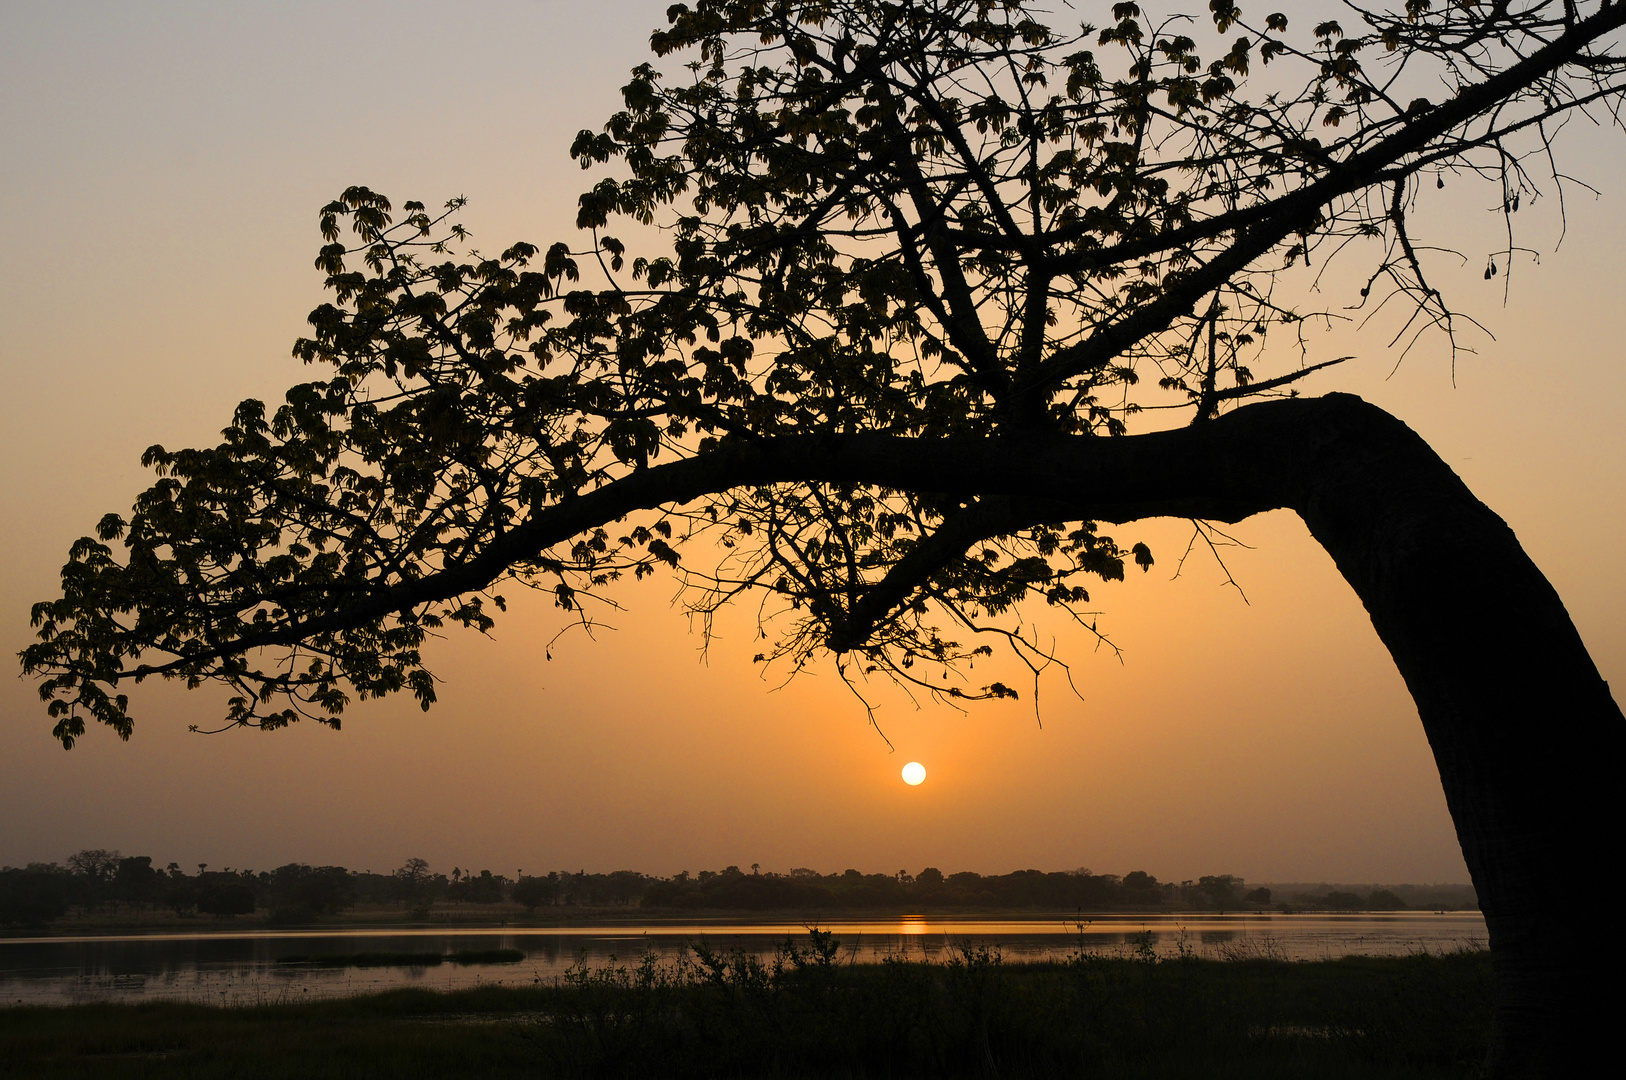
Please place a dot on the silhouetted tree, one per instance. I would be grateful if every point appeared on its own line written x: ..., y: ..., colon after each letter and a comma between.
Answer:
x: 135, y: 881
x: 928, y: 262
x: 299, y: 892
x: 228, y: 898
x: 413, y: 880
x: 1141, y: 888
x: 1220, y: 890
x: 179, y: 892
x: 533, y: 892
x: 1384, y: 900
x: 483, y: 888
x: 95, y: 865
x: 32, y: 896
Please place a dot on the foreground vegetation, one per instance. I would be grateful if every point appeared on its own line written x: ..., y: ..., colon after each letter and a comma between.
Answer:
x: 808, y: 1015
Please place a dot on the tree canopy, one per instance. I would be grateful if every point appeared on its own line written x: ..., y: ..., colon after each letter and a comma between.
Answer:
x: 854, y: 235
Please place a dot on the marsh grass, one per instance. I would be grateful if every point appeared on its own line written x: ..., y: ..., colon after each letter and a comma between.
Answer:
x: 805, y: 1013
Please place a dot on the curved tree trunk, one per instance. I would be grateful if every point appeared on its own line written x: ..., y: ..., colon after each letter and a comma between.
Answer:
x: 1525, y: 732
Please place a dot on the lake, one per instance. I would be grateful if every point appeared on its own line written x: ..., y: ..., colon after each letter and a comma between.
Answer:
x: 242, y: 969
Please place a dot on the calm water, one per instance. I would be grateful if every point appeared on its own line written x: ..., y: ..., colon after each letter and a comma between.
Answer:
x: 240, y: 969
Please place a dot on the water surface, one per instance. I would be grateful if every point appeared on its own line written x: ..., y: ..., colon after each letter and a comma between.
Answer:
x: 242, y: 968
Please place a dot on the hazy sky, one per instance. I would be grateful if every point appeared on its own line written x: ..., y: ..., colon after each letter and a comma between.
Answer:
x: 161, y: 166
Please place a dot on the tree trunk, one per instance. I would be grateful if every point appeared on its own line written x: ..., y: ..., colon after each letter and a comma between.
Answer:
x: 1526, y: 735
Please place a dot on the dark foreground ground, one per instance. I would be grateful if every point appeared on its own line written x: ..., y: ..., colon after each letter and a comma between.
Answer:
x: 1124, y: 1016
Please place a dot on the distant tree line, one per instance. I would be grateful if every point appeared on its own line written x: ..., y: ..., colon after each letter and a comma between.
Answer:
x: 1078, y: 890
x: 97, y: 881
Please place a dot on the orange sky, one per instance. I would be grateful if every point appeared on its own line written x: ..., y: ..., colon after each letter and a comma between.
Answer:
x: 161, y: 168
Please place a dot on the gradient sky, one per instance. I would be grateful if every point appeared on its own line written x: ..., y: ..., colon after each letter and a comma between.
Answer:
x: 161, y: 166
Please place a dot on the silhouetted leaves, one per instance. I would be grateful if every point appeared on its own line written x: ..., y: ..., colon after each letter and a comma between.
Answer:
x: 958, y: 224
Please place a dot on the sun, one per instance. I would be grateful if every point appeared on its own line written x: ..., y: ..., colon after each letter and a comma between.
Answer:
x: 914, y: 773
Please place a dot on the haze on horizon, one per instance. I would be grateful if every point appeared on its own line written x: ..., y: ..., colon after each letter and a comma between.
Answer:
x: 162, y: 169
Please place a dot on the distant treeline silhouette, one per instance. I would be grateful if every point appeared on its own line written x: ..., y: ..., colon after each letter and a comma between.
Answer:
x: 99, y: 881
x: 1077, y: 890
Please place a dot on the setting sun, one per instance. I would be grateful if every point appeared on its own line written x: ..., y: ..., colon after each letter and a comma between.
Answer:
x: 914, y: 773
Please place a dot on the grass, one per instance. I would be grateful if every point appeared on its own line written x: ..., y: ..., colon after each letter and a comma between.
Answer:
x: 731, y: 1015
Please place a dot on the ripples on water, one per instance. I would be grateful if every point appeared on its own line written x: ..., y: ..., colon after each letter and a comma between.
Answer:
x: 242, y: 969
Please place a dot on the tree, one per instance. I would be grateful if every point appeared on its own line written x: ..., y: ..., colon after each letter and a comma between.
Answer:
x: 481, y: 889
x: 134, y: 880
x: 300, y: 892
x: 1141, y: 889
x: 414, y: 883
x: 533, y: 892
x: 415, y: 872
x: 96, y: 865
x: 225, y: 898
x: 31, y: 897
x: 1220, y: 890
x: 927, y: 263
x: 1384, y: 900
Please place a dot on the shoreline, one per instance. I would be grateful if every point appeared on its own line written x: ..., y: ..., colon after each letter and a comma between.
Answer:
x: 701, y: 921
